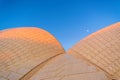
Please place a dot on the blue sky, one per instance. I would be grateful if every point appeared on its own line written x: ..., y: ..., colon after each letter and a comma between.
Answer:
x: 68, y: 20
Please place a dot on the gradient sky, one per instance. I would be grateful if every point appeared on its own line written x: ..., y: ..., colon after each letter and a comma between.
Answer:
x: 68, y: 20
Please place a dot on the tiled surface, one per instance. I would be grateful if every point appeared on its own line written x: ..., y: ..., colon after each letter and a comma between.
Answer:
x: 34, y: 54
x: 102, y: 49
x: 67, y: 67
x: 24, y: 48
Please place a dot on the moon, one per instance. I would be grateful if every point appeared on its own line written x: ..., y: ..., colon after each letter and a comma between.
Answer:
x: 87, y: 30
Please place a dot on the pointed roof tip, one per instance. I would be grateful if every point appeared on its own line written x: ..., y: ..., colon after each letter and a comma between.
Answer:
x: 115, y: 24
x: 111, y: 26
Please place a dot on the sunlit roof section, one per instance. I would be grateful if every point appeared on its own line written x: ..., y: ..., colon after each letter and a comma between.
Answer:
x: 22, y: 49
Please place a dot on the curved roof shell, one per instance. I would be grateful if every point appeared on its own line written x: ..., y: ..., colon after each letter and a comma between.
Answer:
x: 34, y: 54
x: 22, y: 49
x: 102, y: 49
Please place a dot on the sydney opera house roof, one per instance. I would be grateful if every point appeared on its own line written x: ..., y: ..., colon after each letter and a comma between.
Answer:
x: 29, y: 53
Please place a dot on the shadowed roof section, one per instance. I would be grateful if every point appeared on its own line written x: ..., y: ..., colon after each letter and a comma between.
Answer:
x: 68, y: 67
x: 102, y: 49
x: 22, y: 49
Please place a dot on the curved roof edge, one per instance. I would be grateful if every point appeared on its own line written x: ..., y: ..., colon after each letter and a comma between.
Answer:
x: 101, y: 49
